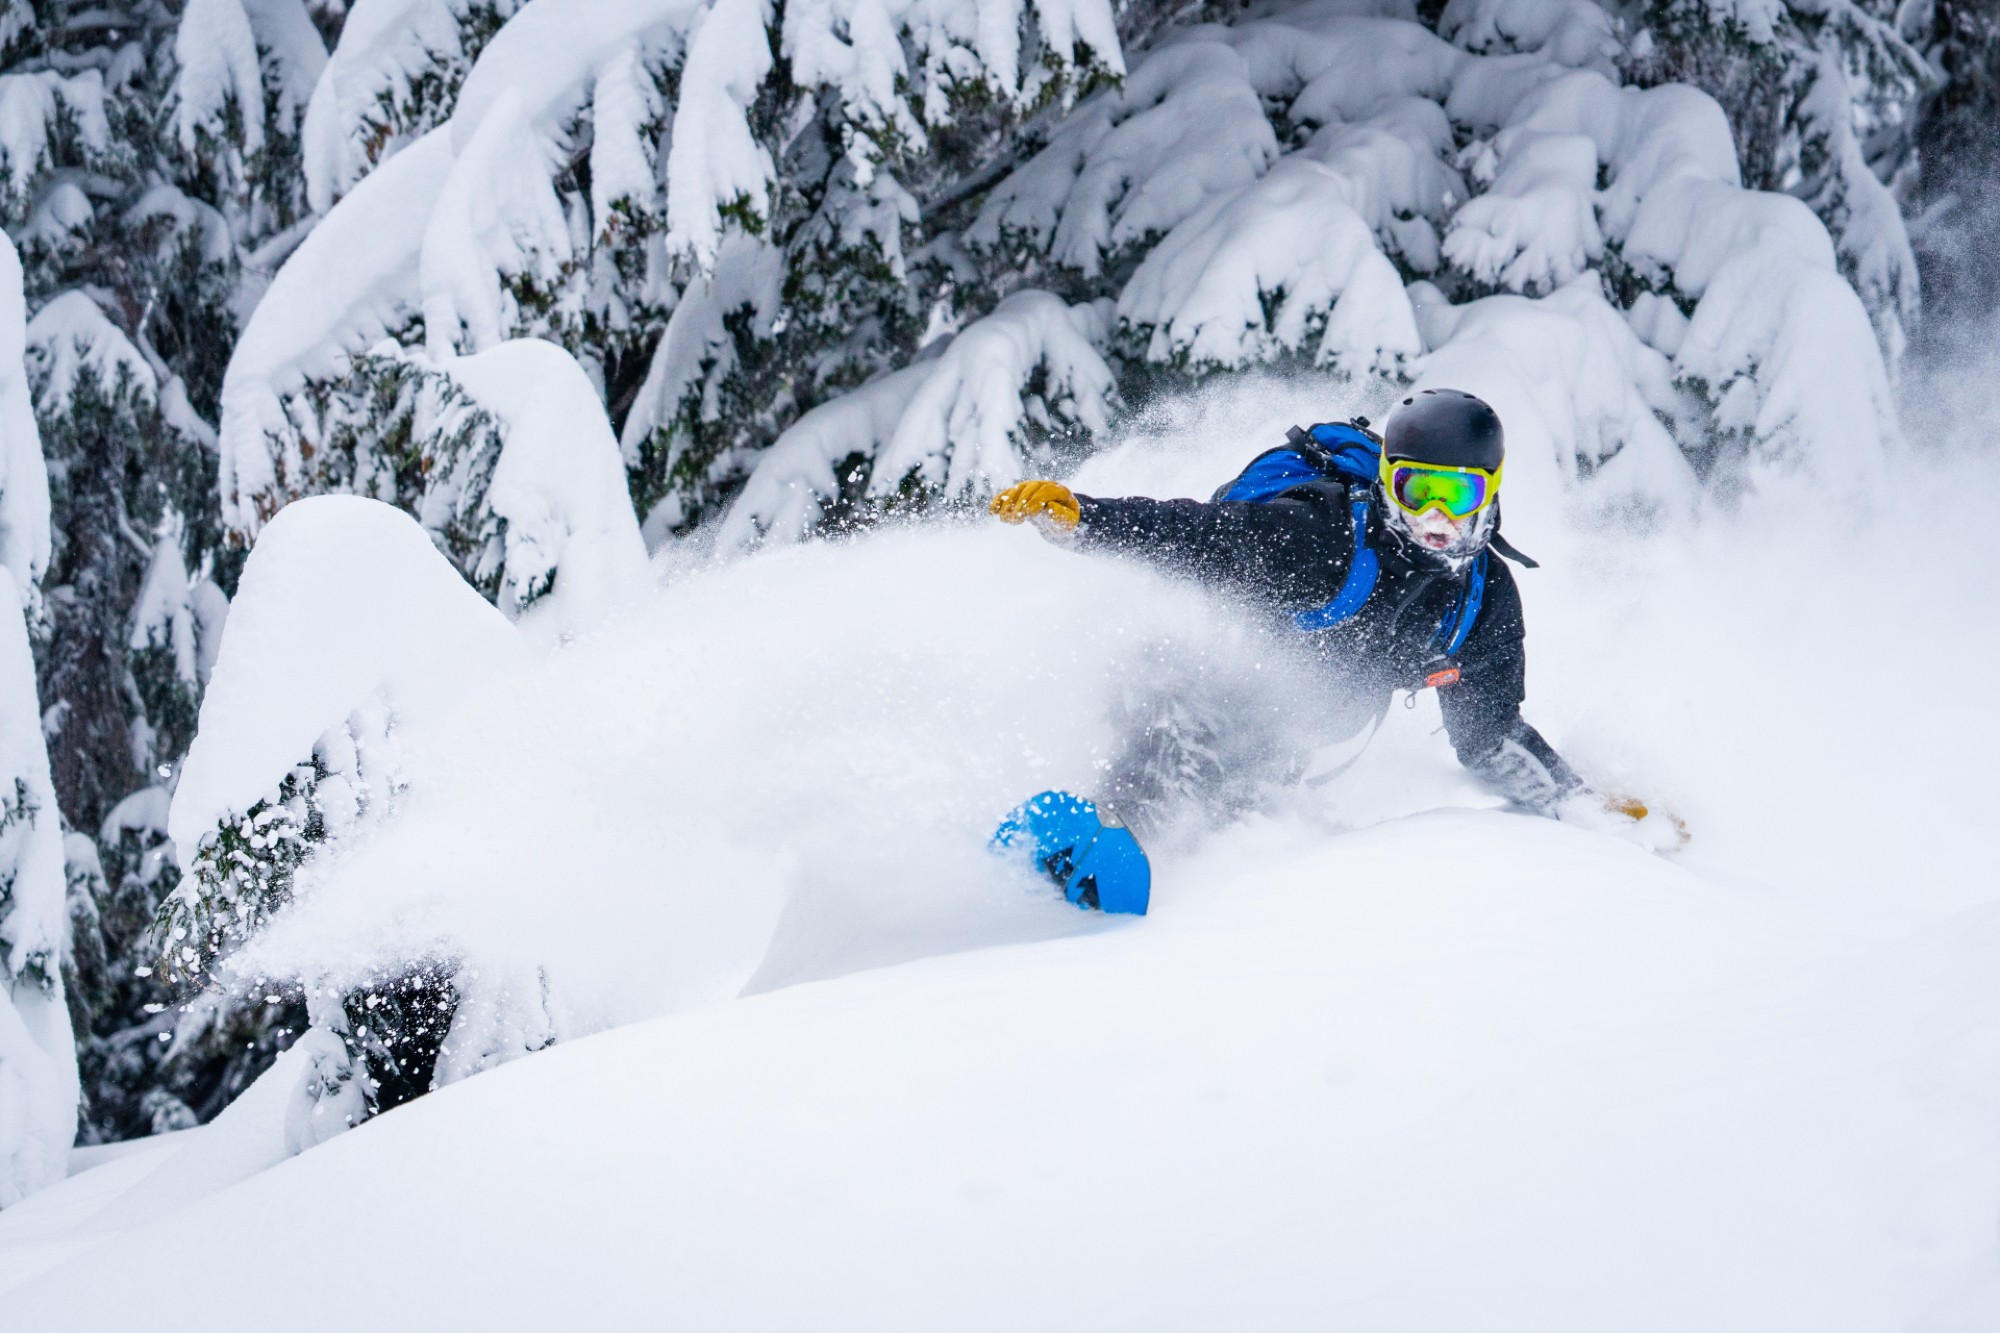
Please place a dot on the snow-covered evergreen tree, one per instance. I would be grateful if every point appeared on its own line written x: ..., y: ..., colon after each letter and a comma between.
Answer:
x: 703, y: 203
x: 1261, y: 192
x: 38, y: 1078
x: 1824, y: 98
x: 151, y: 175
x: 741, y: 205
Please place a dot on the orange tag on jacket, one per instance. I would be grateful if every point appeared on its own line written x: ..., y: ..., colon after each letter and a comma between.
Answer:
x: 1439, y: 679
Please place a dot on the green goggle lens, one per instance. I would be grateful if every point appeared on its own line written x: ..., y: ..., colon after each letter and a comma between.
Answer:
x: 1459, y: 493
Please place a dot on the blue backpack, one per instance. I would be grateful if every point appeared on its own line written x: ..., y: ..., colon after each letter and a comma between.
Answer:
x: 1349, y: 453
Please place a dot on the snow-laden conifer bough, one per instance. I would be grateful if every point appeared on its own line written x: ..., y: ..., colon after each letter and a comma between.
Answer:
x: 38, y: 1078
x: 726, y: 269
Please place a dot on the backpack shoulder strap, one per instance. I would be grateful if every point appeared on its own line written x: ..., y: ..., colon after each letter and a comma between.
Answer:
x: 1464, y: 613
x: 1362, y: 571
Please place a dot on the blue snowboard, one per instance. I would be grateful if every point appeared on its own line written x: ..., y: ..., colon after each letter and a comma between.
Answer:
x: 1087, y: 852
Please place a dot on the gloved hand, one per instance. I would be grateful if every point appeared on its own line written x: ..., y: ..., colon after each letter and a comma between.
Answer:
x: 1627, y: 817
x: 1049, y: 503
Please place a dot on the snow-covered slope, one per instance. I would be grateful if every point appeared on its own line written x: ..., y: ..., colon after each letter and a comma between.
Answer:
x: 1383, y: 1056
x: 1342, y: 1083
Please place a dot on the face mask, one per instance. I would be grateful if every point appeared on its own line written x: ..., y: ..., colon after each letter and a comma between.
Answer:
x: 1455, y: 541
x: 1437, y: 531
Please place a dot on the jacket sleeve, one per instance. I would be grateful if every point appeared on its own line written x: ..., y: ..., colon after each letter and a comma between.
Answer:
x: 1482, y: 710
x: 1294, y: 551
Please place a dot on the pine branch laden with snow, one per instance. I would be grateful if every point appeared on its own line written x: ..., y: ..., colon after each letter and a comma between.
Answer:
x: 1006, y: 388
x: 505, y: 458
x: 1806, y: 84
x: 391, y: 79
x: 1127, y: 166
x: 244, y: 869
x: 24, y: 478
x: 1574, y: 33
x: 662, y: 100
x: 1535, y: 227
x: 498, y: 238
x: 68, y: 341
x: 292, y: 57
x: 244, y: 71
x: 1569, y: 176
x: 1252, y: 192
x: 1253, y: 279
x: 39, y: 110
x: 38, y: 1078
x: 38, y: 1075
x: 1861, y: 212
x: 220, y: 89
x: 800, y: 479
x: 716, y: 168
x: 680, y: 426
x: 554, y: 508
x: 164, y: 649
x: 349, y: 285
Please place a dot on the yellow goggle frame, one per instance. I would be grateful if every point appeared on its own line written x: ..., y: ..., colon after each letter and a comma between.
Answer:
x: 1410, y: 486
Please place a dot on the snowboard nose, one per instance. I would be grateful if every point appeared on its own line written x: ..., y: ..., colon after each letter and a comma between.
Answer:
x: 1083, y: 850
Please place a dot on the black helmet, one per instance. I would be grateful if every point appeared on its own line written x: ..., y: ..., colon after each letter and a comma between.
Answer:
x: 1448, y: 427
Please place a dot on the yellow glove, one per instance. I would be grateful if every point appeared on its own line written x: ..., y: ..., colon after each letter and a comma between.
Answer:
x: 1050, y: 501
x: 1631, y: 807
x: 1635, y: 810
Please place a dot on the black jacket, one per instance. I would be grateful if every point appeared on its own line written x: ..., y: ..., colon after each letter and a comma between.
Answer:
x: 1293, y: 553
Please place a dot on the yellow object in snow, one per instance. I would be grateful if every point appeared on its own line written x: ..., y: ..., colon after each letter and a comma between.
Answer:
x: 1635, y: 810
x: 1629, y: 806
x: 1049, y: 500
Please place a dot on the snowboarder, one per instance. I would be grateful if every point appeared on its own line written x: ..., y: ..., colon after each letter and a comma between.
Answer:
x: 1388, y: 576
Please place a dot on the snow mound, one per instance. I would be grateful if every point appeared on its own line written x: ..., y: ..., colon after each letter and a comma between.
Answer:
x: 342, y: 599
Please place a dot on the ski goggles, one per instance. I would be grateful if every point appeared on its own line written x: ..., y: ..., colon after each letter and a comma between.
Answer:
x: 1460, y: 491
